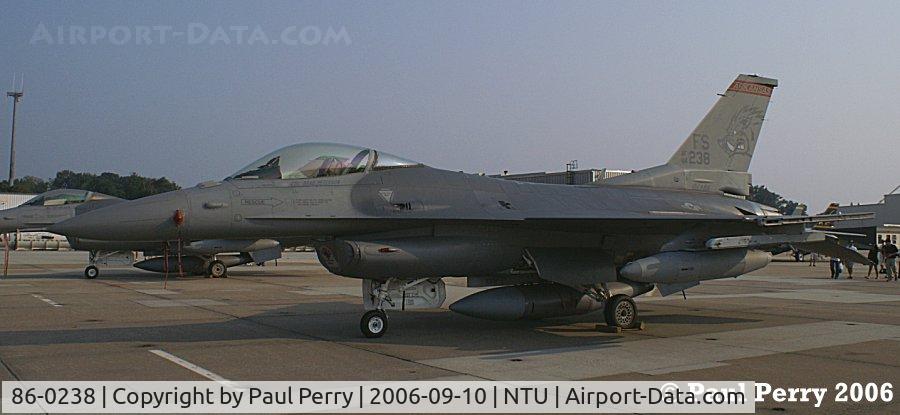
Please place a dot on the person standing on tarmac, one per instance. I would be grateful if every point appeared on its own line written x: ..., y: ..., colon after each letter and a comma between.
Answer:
x: 853, y: 248
x: 890, y: 259
x: 835, y: 264
x: 873, y: 261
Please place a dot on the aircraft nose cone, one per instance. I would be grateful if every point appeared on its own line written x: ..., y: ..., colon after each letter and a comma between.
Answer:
x: 151, y: 218
x: 12, y: 220
x: 9, y: 223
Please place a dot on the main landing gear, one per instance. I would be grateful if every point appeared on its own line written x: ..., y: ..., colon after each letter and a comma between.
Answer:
x: 217, y: 269
x: 621, y: 311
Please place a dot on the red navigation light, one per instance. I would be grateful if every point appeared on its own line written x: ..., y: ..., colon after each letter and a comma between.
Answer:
x: 178, y: 217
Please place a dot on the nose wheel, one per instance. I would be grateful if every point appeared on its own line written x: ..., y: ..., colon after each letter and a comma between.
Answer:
x: 91, y: 272
x: 373, y: 324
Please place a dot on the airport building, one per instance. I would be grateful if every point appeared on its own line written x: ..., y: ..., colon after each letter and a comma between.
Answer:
x: 885, y: 225
x: 11, y: 200
x: 574, y: 177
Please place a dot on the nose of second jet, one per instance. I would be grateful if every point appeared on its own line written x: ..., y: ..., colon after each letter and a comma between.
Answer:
x: 9, y: 222
x: 151, y: 218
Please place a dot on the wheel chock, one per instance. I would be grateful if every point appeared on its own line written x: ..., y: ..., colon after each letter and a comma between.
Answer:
x: 603, y: 328
x: 639, y: 327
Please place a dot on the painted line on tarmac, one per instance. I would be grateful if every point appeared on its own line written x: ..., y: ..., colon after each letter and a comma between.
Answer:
x: 47, y: 300
x: 193, y: 368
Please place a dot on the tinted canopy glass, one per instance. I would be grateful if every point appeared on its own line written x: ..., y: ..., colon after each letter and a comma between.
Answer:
x: 59, y: 197
x: 310, y: 160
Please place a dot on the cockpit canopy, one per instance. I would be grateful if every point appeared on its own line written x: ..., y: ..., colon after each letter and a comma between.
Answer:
x: 61, y: 197
x: 311, y: 160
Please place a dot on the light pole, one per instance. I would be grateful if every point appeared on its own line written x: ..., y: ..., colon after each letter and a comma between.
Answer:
x: 16, y: 96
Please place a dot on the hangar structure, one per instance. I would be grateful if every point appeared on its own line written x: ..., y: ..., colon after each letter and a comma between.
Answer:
x: 885, y: 225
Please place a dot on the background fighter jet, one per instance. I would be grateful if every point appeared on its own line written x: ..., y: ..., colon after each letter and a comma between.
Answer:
x: 50, y: 207
x: 198, y: 257
x: 549, y: 250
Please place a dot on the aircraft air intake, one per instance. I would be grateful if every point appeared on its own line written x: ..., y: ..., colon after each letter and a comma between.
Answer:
x: 422, y: 257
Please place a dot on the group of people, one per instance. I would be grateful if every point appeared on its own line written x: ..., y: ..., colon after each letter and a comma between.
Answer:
x: 884, y: 260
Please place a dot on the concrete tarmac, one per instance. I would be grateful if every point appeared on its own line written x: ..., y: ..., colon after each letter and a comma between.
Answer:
x: 788, y: 325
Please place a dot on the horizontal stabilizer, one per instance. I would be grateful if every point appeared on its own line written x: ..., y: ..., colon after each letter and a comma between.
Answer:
x: 830, y: 247
x: 846, y: 234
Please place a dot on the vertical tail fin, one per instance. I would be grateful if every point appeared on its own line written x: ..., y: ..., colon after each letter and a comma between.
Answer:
x: 726, y: 137
x: 716, y: 155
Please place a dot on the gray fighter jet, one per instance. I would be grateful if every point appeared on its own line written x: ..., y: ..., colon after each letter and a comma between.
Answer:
x: 51, y: 207
x: 548, y: 250
x: 198, y: 257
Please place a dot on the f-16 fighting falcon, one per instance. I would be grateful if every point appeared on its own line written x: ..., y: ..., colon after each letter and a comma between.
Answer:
x: 548, y: 250
x: 200, y: 257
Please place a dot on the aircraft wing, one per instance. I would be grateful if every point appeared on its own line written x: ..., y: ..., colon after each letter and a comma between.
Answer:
x: 590, y: 222
x: 794, y: 220
x: 818, y: 242
x: 847, y: 234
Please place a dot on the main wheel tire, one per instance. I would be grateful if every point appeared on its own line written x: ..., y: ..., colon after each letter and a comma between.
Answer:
x: 217, y: 269
x: 373, y: 324
x: 91, y: 272
x: 621, y: 311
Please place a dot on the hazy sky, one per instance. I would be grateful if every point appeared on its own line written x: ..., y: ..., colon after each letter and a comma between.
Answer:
x: 474, y: 86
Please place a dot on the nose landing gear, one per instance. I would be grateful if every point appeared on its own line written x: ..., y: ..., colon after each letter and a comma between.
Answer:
x: 91, y: 272
x: 399, y: 295
x: 373, y: 323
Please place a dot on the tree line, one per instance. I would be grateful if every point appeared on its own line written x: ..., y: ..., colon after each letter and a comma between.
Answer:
x: 132, y: 186
x: 760, y: 194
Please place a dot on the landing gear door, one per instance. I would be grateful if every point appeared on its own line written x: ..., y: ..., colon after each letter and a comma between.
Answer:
x: 403, y: 295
